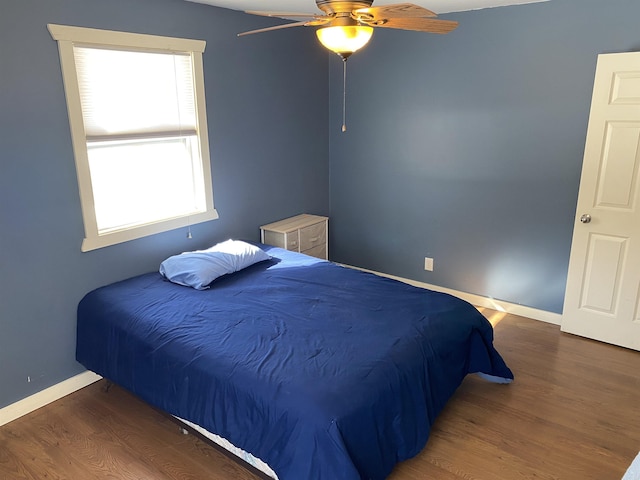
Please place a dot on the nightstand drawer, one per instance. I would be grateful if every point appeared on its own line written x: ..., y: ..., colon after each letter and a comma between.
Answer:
x: 313, y: 236
x: 287, y: 240
x: 293, y: 242
x: 319, y: 252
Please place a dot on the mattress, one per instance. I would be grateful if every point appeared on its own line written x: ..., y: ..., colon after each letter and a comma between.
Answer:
x: 231, y: 448
x: 321, y: 371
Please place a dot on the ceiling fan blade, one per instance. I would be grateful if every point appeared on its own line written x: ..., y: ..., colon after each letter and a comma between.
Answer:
x: 305, y: 23
x: 285, y: 15
x: 430, y: 25
x: 397, y: 10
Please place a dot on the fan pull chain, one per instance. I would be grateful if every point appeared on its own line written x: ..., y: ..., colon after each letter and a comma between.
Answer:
x: 344, y: 94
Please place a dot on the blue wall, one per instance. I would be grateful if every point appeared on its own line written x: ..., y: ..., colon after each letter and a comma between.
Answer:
x: 468, y: 147
x: 267, y: 100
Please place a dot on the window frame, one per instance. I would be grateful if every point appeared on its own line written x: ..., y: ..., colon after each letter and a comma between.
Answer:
x: 67, y: 37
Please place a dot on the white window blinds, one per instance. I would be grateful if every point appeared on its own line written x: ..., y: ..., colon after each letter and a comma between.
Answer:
x: 129, y: 93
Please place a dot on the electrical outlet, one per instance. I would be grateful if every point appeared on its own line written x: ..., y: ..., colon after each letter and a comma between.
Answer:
x: 428, y: 264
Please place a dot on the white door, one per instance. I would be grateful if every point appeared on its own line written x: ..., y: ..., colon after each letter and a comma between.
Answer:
x: 602, y: 299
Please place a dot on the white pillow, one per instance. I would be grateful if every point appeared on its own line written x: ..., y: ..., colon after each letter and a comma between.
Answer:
x: 199, y: 268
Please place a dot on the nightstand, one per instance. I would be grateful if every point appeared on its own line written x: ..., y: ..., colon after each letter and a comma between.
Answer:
x: 304, y: 233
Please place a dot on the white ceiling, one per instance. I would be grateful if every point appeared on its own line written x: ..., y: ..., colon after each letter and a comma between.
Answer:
x: 308, y: 6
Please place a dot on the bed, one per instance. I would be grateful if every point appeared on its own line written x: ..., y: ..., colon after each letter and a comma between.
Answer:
x: 321, y: 371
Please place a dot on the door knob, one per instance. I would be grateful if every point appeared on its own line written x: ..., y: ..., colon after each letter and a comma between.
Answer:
x: 586, y: 218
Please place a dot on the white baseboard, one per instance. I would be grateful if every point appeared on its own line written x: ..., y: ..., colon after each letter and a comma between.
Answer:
x: 46, y: 396
x: 480, y: 301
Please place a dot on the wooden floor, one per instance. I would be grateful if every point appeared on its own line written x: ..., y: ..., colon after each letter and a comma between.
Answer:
x: 573, y: 413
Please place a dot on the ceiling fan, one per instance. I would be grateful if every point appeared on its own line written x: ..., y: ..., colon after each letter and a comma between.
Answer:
x: 347, y: 25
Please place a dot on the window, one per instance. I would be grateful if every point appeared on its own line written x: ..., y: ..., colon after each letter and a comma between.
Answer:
x: 139, y: 132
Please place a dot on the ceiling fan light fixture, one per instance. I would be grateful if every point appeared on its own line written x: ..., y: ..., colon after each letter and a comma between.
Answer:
x: 344, y: 40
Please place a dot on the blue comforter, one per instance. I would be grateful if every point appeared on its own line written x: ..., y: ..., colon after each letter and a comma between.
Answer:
x: 322, y: 371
